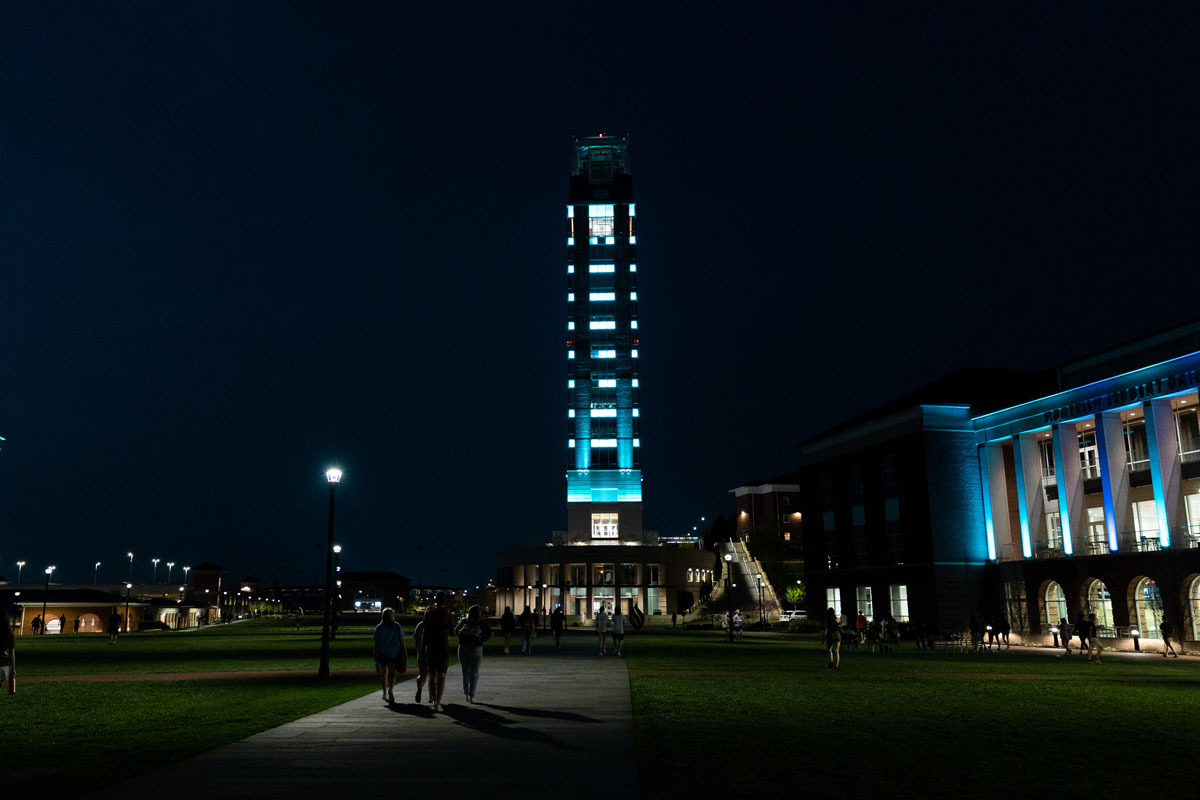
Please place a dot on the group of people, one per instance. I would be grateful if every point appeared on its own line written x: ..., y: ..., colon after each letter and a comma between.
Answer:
x: 735, y: 622
x: 613, y: 626
x: 1089, y: 636
x: 985, y: 633
x: 527, y: 624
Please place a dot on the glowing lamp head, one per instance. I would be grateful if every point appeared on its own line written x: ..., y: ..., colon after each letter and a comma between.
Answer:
x: 1135, y: 632
x: 333, y: 475
x: 728, y: 558
x: 50, y: 570
x: 129, y: 554
x: 97, y: 563
x: 337, y: 548
x: 1054, y: 629
x: 128, y: 585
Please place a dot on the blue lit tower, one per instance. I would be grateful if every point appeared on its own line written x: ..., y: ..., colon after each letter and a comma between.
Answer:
x: 604, y: 479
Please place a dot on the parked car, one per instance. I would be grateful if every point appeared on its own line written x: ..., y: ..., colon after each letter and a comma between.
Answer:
x: 788, y: 616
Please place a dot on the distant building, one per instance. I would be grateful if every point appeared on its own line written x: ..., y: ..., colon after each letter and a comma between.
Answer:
x: 604, y: 556
x: 1030, y: 497
x: 770, y: 506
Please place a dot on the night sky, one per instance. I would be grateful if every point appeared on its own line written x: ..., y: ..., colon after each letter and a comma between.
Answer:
x: 242, y: 242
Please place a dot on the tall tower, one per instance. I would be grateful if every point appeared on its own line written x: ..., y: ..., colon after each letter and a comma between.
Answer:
x: 604, y: 478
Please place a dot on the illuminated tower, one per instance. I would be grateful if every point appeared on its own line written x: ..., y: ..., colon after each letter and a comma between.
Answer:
x: 604, y: 478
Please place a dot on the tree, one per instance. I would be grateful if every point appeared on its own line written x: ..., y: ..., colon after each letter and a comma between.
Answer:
x: 686, y: 601
x: 795, y: 595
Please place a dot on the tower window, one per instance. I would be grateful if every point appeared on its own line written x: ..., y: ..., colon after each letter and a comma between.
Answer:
x: 604, y: 525
x: 602, y: 268
x: 600, y: 297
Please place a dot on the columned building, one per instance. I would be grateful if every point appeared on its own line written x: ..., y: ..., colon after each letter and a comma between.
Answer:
x: 623, y: 562
x: 1079, y: 501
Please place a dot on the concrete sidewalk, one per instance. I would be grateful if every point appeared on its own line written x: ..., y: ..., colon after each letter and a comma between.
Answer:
x: 557, y: 722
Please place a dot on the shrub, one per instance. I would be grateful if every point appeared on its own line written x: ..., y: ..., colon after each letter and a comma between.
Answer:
x: 804, y: 626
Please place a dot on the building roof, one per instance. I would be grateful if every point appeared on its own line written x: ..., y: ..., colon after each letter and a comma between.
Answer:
x: 65, y: 596
x: 787, y: 482
x: 1163, y: 345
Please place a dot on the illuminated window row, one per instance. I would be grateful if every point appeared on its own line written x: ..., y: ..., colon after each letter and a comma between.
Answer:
x: 602, y: 325
x: 604, y: 383
x: 602, y: 297
x: 604, y: 443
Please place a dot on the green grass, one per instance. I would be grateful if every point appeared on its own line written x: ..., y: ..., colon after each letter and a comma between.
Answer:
x: 769, y: 714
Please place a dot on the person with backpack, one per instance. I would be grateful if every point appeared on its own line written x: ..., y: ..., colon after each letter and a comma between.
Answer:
x: 472, y: 632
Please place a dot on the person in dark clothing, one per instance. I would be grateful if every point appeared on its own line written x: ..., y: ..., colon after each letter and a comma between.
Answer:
x: 528, y: 623
x: 1005, y: 630
x: 508, y: 626
x: 833, y: 638
x: 436, y: 639
x: 557, y: 622
x: 472, y: 633
x: 1168, y: 630
x: 114, y: 626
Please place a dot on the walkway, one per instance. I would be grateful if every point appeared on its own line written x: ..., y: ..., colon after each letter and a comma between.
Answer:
x: 555, y: 723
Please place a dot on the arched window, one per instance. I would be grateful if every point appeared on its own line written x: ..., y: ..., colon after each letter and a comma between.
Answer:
x: 1099, y: 602
x: 1055, y: 603
x: 1194, y: 605
x: 1148, y: 608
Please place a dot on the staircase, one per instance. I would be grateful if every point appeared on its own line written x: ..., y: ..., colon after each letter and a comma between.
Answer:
x: 745, y: 571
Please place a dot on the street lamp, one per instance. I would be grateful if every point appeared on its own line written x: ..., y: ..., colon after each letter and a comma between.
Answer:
x: 128, y: 587
x: 185, y: 572
x: 729, y: 592
x: 333, y: 476
x: 130, y: 578
x: 49, y: 572
x: 337, y: 608
x: 154, y: 574
x: 762, y: 623
x: 170, y: 566
x: 20, y: 566
x: 96, y: 574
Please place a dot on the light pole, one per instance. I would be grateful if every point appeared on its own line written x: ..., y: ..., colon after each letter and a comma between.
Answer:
x: 762, y: 623
x: 20, y: 566
x: 154, y: 574
x: 96, y: 574
x: 128, y: 587
x: 185, y: 572
x: 729, y: 592
x: 337, y: 608
x: 130, y: 578
x: 334, y: 477
x: 170, y: 566
x: 49, y: 572
x: 179, y: 615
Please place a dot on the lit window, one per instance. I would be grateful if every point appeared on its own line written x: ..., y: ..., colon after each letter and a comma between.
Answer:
x: 570, y: 326
x: 570, y: 297
x: 602, y: 354
x: 570, y: 269
x: 570, y: 212
x: 607, y: 383
x: 602, y: 268
x: 634, y: 353
x: 600, y: 211
x: 635, y: 383
x: 570, y: 241
x: 571, y: 383
x: 593, y: 240
x: 633, y: 267
x: 570, y: 442
x: 633, y: 209
x: 633, y: 295
x: 610, y: 240
x: 633, y: 240
x: 637, y: 442
x: 598, y: 297
x: 604, y: 525
x: 570, y: 354
x: 602, y: 325
x: 600, y: 218
x: 635, y: 413
x: 633, y: 325
x: 604, y: 412
x: 604, y: 442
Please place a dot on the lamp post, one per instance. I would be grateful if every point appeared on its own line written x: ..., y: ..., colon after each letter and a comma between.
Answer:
x: 130, y: 578
x: 333, y: 476
x: 170, y: 566
x: 729, y: 591
x: 128, y: 587
x: 49, y: 572
x: 96, y: 574
x: 154, y: 574
x: 20, y: 566
x: 185, y: 572
x: 762, y: 623
x: 337, y: 609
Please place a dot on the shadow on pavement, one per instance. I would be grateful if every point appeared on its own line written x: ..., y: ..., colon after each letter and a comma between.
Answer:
x: 568, y: 716
x: 412, y: 709
x: 496, y: 725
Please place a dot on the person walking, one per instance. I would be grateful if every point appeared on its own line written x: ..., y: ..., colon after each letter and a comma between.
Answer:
x: 602, y: 629
x: 833, y: 638
x: 8, y: 653
x: 528, y: 624
x: 36, y: 624
x: 617, y: 625
x: 1005, y: 630
x: 558, y: 621
x: 1168, y: 630
x: 1064, y: 634
x: 472, y: 633
x: 1095, y: 648
x: 390, y: 652
x: 299, y: 615
x: 438, y: 624
x: 860, y: 627
x: 508, y: 626
x: 114, y: 626
x: 76, y: 625
x: 422, y: 657
x: 737, y: 625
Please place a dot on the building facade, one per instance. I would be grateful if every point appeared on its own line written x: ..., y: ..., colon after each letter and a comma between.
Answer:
x: 771, y: 507
x: 603, y: 443
x: 1079, y: 501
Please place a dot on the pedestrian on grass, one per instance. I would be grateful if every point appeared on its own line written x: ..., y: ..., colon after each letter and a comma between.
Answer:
x: 528, y: 624
x: 391, y: 654
x: 1168, y: 631
x: 1005, y: 630
x: 114, y: 626
x: 299, y: 615
x: 602, y: 629
x: 8, y: 646
x: 422, y: 657
x: 1095, y: 648
x: 76, y: 625
x: 36, y: 624
x: 674, y: 618
x: 833, y: 638
x: 438, y: 624
x: 558, y: 621
x: 1064, y: 633
x: 508, y: 626
x: 737, y: 625
x: 472, y: 633
x: 860, y: 627
x: 1083, y: 631
x: 618, y: 630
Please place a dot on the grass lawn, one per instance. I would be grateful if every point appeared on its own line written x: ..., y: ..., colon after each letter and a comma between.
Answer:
x: 59, y: 737
x: 767, y: 715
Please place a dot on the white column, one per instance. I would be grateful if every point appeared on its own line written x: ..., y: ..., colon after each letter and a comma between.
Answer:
x: 995, y: 497
x: 1031, y: 499
x: 1070, y: 484
x: 1114, y: 476
x: 1164, y: 466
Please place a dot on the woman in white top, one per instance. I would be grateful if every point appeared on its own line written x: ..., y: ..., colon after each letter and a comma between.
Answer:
x: 602, y: 629
x: 618, y: 630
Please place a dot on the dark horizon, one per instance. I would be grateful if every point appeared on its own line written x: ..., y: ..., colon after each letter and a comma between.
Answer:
x: 243, y: 244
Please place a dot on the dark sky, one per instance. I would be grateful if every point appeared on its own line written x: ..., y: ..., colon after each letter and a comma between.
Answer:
x: 240, y: 242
